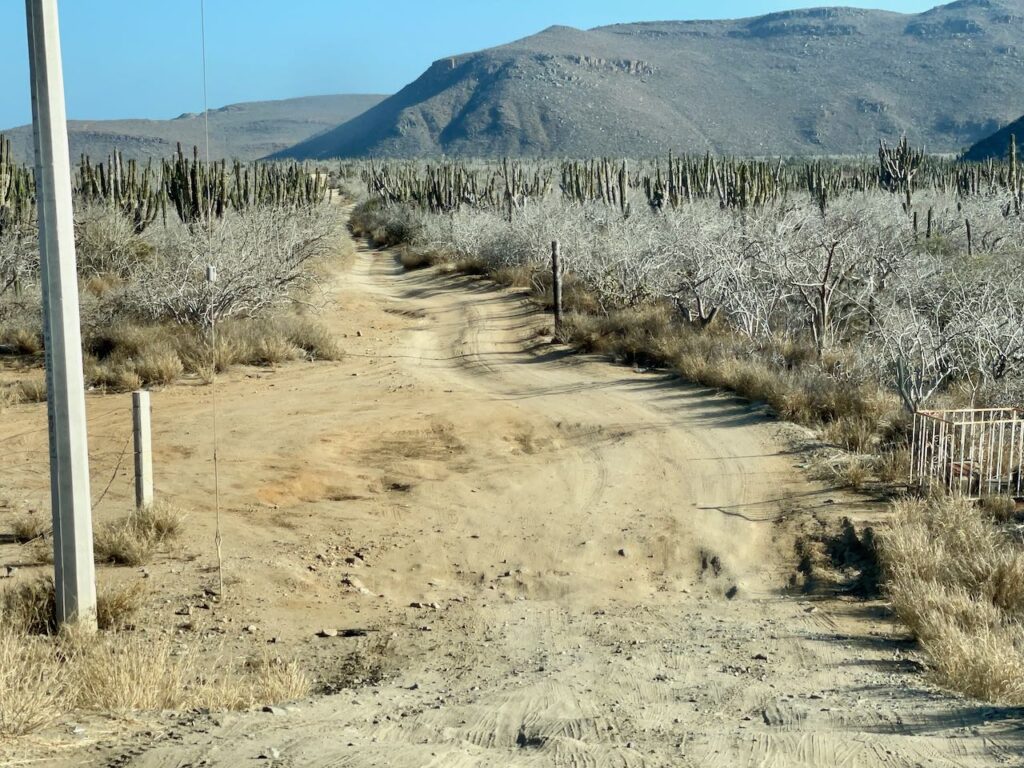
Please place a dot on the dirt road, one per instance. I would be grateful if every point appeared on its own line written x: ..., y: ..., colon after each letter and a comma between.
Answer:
x: 565, y: 562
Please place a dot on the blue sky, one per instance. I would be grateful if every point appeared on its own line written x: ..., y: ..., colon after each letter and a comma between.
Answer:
x: 141, y: 58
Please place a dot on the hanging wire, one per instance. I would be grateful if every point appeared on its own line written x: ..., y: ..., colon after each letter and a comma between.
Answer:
x: 211, y: 276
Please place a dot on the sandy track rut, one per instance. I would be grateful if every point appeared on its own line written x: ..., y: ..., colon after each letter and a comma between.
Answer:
x: 551, y: 647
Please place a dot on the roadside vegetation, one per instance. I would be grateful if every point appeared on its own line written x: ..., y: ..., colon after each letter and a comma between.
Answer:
x: 144, y: 241
x: 846, y: 297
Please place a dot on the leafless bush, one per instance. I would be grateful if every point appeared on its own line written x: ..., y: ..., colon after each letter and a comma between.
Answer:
x: 106, y: 243
x: 259, y: 256
x: 19, y: 260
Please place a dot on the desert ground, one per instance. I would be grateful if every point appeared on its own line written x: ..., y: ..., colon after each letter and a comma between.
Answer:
x: 494, y: 552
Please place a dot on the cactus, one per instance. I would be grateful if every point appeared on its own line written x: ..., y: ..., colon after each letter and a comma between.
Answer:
x: 897, y: 168
x: 17, y: 191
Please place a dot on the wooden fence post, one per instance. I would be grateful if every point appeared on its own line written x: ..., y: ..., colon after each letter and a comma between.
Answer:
x: 556, y: 286
x: 143, y: 435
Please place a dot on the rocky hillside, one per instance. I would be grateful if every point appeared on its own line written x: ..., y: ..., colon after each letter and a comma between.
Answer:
x: 819, y: 81
x: 998, y: 144
x: 247, y: 131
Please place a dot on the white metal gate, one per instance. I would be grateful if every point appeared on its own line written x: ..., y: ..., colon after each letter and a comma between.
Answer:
x: 971, y: 452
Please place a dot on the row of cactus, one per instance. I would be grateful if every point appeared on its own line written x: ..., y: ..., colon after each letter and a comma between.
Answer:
x: 604, y: 180
x: 448, y: 186
x: 193, y: 189
x: 123, y: 186
x: 731, y: 182
x: 200, y: 190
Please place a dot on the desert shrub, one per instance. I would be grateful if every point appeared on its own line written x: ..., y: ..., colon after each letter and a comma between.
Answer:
x: 385, y: 225
x: 958, y: 584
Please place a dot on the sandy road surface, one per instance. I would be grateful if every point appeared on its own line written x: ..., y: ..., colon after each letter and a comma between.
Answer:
x: 606, y: 550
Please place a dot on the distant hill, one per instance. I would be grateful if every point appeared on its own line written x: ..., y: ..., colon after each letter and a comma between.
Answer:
x: 997, y: 145
x: 818, y: 81
x: 247, y: 131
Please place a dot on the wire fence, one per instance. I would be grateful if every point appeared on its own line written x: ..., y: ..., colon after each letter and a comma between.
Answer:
x: 25, y: 457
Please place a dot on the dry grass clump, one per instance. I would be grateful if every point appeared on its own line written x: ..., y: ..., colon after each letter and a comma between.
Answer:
x: 31, y: 390
x: 310, y: 336
x: 517, y: 276
x: 1000, y: 509
x: 855, y: 434
x: 126, y: 356
x: 21, y: 340
x: 7, y: 398
x: 893, y: 466
x: 854, y: 473
x: 132, y: 541
x: 32, y: 684
x: 159, y: 365
x: 46, y: 674
x: 45, y: 678
x: 958, y: 584
x: 416, y: 258
x: 30, y: 527
x: 28, y: 607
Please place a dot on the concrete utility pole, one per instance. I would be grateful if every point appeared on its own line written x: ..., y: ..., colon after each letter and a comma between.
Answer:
x: 74, y: 571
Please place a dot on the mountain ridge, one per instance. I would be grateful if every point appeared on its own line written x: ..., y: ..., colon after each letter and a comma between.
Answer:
x: 997, y: 146
x: 244, y: 130
x: 808, y: 82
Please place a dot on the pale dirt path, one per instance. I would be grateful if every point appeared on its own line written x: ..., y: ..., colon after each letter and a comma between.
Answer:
x: 477, y: 467
x: 549, y: 647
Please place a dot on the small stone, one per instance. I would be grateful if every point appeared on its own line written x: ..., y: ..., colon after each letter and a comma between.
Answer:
x: 185, y: 611
x: 251, y: 629
x: 327, y: 633
x: 760, y: 657
x: 275, y: 710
